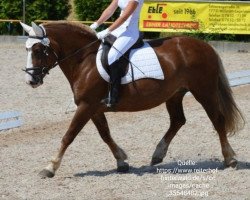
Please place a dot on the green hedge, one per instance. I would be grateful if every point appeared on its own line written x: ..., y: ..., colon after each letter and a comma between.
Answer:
x: 91, y: 10
x: 35, y: 9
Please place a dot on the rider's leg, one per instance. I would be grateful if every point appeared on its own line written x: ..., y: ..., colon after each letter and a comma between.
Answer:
x: 120, y: 47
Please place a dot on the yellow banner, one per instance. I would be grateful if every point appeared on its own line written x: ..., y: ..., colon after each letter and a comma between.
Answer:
x: 228, y: 18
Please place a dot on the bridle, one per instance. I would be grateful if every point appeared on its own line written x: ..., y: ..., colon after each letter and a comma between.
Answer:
x: 39, y: 72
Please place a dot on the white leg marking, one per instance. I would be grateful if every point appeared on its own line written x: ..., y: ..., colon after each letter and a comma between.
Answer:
x: 54, y: 165
x: 229, y: 153
x: 120, y: 154
x: 161, y: 150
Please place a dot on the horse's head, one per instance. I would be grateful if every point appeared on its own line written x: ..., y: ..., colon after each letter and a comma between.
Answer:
x: 41, y: 57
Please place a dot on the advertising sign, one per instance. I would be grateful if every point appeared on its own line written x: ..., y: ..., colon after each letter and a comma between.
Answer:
x: 230, y: 18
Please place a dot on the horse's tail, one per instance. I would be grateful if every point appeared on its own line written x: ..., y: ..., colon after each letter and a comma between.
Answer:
x: 234, y: 120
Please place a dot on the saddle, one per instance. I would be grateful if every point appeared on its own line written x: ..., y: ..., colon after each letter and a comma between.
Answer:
x: 124, y: 60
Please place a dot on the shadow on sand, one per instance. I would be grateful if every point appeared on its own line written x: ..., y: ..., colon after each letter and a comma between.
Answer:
x: 170, y: 168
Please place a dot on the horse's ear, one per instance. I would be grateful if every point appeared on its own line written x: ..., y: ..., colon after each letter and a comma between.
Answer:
x: 26, y: 27
x: 38, y: 30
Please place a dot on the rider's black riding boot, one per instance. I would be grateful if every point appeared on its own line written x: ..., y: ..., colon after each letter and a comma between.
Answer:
x: 115, y: 82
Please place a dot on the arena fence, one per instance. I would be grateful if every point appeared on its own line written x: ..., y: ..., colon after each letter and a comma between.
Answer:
x: 9, y: 120
x: 239, y: 78
x: 9, y: 23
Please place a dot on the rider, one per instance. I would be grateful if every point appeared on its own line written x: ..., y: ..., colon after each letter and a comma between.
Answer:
x: 125, y: 29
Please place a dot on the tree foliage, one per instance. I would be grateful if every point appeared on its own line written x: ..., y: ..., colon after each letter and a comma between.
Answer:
x: 35, y: 9
x: 90, y: 10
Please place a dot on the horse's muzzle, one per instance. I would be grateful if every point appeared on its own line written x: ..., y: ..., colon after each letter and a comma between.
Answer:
x: 33, y: 84
x: 36, y: 75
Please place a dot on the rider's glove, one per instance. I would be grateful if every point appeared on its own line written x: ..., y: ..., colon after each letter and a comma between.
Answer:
x: 101, y: 35
x: 94, y: 26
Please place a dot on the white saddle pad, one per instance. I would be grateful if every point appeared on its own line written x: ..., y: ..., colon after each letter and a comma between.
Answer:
x: 144, y: 62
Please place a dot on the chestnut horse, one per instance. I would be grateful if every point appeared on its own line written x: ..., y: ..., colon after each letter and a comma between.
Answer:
x: 188, y: 64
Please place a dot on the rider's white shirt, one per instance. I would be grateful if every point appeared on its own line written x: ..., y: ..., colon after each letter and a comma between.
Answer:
x: 131, y: 23
x: 127, y: 34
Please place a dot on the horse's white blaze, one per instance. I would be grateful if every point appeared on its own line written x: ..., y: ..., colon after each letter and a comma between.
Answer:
x: 33, y: 31
x: 161, y: 149
x: 28, y: 77
x: 29, y: 43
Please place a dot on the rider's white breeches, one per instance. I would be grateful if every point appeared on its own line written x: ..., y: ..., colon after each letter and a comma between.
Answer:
x: 122, y: 44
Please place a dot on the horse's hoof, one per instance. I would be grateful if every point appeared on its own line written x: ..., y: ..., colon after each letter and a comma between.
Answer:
x: 123, y: 168
x: 156, y: 161
x: 232, y: 163
x: 46, y: 174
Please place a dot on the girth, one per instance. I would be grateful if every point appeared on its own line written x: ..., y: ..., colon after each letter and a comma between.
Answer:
x: 123, y: 60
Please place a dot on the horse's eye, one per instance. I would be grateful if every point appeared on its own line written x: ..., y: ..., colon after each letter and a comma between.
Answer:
x: 37, y: 53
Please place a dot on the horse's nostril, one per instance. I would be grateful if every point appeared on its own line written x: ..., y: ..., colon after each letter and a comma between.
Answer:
x: 32, y: 83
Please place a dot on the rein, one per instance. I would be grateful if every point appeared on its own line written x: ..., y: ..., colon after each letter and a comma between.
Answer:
x: 77, y: 51
x: 40, y: 72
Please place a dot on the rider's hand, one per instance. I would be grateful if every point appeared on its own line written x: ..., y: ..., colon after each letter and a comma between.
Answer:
x: 101, y: 35
x: 94, y: 26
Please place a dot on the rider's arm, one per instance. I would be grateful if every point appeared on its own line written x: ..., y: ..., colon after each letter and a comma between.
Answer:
x: 108, y: 12
x: 132, y: 5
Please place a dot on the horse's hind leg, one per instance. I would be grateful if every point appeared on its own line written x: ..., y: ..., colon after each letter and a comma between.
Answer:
x: 177, y: 120
x: 103, y: 129
x: 209, y: 102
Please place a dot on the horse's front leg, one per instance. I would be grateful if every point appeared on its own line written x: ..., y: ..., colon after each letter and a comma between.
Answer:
x: 101, y: 124
x: 83, y: 114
